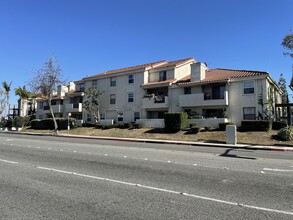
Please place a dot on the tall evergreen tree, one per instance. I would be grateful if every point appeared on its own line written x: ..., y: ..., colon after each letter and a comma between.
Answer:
x: 283, y: 86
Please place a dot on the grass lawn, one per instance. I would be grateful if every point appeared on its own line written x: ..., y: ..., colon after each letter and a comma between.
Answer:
x: 253, y: 138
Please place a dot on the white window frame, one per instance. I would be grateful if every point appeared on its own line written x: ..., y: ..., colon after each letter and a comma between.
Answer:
x: 247, y: 87
x: 245, y: 109
x: 130, y: 99
x: 130, y: 78
x: 113, y: 81
x: 136, y: 116
x: 94, y: 84
x: 112, y: 97
x: 120, y: 116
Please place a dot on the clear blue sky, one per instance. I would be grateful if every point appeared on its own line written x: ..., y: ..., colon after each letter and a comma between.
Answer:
x: 91, y: 36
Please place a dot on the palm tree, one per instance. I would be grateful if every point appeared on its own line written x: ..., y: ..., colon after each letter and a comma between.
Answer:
x: 7, y: 88
x: 23, y: 95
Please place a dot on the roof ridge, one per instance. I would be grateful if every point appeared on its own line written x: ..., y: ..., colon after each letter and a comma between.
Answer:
x: 239, y: 70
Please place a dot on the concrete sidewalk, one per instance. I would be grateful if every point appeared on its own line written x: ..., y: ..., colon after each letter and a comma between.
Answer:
x: 156, y: 141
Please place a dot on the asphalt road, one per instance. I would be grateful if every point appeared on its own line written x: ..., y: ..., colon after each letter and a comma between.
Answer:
x: 69, y: 178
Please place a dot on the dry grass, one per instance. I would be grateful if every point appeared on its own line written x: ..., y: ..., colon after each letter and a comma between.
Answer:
x: 252, y: 138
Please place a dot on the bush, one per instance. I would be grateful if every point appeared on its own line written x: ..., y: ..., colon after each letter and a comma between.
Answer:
x: 208, y: 128
x: 137, y: 125
x: 253, y: 125
x: 194, y: 130
x: 174, y: 122
x: 110, y: 126
x: 222, y: 126
x: 20, y: 121
x: 277, y: 125
x: 48, y: 123
x: 192, y: 125
x: 286, y: 134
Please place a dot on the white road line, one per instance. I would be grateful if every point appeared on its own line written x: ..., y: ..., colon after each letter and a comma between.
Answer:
x: 7, y: 161
x: 168, y: 191
x: 277, y: 170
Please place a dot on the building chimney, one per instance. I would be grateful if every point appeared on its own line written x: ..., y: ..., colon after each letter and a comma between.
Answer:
x: 198, y: 71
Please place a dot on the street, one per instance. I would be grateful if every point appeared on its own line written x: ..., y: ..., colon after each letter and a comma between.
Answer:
x: 43, y: 177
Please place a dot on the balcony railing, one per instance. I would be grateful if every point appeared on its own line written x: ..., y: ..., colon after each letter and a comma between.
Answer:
x: 155, y: 102
x: 75, y: 107
x: 55, y: 108
x: 199, y: 99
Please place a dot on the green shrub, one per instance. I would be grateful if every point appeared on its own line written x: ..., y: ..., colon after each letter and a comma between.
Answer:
x: 277, y: 125
x: 208, y: 128
x: 20, y: 121
x: 286, y: 134
x: 222, y: 126
x: 137, y: 125
x: 256, y: 125
x: 194, y: 130
x: 174, y: 122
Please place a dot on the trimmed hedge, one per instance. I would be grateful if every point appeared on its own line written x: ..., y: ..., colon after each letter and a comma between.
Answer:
x: 176, y: 121
x: 277, y: 125
x: 222, y: 126
x: 194, y: 129
x: 48, y: 123
x: 256, y: 125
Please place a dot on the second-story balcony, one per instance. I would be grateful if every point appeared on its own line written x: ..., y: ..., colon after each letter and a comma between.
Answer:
x: 200, y: 99
x: 155, y: 102
x: 75, y: 107
x: 55, y: 108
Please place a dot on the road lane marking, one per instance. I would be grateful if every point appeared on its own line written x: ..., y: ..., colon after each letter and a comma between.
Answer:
x: 168, y: 191
x: 8, y: 161
x: 277, y: 170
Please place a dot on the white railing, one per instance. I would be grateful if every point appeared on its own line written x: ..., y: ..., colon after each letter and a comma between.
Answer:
x: 155, y: 102
x: 190, y: 100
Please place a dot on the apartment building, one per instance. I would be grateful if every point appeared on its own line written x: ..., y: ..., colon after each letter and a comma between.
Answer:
x: 65, y: 100
x: 145, y: 92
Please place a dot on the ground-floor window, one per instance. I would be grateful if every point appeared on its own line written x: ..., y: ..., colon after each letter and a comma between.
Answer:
x: 120, y: 117
x: 214, y: 113
x: 249, y: 113
x: 88, y: 118
x: 136, y: 116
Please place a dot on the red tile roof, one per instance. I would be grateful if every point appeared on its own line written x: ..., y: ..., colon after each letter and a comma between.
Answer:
x: 175, y: 63
x: 218, y: 75
x: 142, y: 66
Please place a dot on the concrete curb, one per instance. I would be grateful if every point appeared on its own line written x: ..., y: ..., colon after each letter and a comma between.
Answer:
x: 155, y: 141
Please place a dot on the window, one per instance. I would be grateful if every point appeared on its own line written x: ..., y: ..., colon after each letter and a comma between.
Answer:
x: 187, y: 90
x: 112, y: 99
x: 53, y: 102
x: 249, y: 113
x: 130, y: 79
x: 81, y: 87
x: 130, y: 97
x: 102, y: 116
x: 41, y: 105
x: 248, y: 87
x: 88, y: 117
x: 120, y: 117
x: 162, y: 76
x: 112, y: 81
x: 136, y: 116
x: 94, y: 84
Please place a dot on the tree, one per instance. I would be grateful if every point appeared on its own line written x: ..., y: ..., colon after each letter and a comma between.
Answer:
x: 287, y: 43
x: 2, y: 103
x: 92, y: 103
x: 23, y: 94
x: 7, y: 88
x: 283, y: 86
x: 45, y: 81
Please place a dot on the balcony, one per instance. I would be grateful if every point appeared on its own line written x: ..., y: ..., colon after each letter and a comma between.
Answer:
x: 76, y: 107
x: 155, y: 102
x: 194, y: 100
x: 55, y: 108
